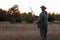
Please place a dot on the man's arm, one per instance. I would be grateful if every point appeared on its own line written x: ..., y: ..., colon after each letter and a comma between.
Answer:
x: 39, y: 19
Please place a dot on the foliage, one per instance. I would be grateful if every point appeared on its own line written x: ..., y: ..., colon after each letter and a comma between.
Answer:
x: 13, y: 15
x: 51, y: 17
x: 12, y: 20
x: 2, y: 15
x: 58, y: 17
x: 30, y: 18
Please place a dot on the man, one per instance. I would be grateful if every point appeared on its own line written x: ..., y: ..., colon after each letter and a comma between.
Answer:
x: 42, y: 22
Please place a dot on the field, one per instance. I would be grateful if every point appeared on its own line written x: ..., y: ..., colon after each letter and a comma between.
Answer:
x: 24, y: 31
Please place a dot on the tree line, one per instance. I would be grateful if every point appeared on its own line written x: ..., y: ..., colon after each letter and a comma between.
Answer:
x: 13, y: 15
x: 53, y: 17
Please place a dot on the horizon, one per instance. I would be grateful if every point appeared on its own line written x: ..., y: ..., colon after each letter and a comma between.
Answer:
x: 24, y: 5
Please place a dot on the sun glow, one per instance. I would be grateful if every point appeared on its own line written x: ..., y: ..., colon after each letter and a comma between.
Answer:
x: 24, y: 5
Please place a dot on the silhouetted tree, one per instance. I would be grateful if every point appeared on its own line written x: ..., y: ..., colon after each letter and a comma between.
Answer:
x: 15, y: 14
x: 3, y: 15
x: 30, y: 18
x: 51, y: 17
x: 57, y: 17
x: 24, y: 17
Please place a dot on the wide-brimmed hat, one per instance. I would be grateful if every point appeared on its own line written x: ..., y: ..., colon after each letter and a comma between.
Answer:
x: 43, y: 7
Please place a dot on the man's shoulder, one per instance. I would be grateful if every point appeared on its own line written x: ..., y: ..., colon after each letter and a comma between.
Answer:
x: 45, y: 11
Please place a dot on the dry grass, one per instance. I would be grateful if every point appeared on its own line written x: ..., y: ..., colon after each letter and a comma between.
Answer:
x: 27, y: 31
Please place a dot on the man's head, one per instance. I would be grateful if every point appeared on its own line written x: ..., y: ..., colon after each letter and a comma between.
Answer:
x: 43, y: 8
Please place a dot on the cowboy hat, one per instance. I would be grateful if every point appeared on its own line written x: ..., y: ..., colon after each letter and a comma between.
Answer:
x: 43, y: 7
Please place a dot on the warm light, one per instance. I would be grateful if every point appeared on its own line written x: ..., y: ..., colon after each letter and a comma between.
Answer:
x: 52, y: 5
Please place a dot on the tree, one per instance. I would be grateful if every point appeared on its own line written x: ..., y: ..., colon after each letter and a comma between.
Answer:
x: 58, y: 17
x: 15, y: 13
x: 30, y: 18
x: 24, y: 17
x: 51, y: 17
x: 3, y: 15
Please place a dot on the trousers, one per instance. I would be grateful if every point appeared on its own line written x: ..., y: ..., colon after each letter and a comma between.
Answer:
x: 43, y: 33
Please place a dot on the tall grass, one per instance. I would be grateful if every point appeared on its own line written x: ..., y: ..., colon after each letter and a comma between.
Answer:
x: 24, y: 31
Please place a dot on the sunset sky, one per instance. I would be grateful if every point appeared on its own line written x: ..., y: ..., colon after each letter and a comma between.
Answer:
x: 52, y: 5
